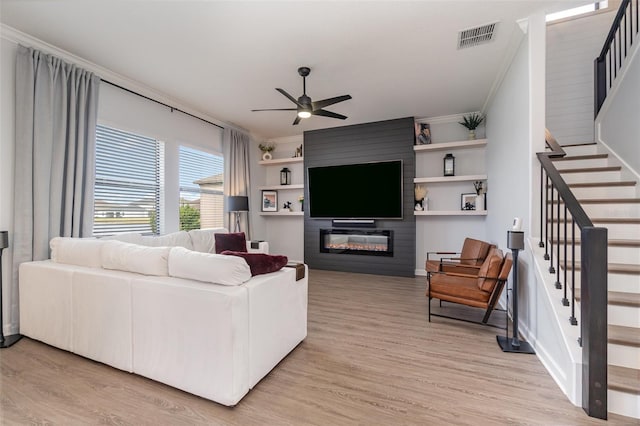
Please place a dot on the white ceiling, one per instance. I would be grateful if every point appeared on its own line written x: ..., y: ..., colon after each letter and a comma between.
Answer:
x: 224, y: 58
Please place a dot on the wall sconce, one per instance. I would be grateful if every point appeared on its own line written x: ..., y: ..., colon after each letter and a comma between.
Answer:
x: 449, y: 165
x: 285, y: 176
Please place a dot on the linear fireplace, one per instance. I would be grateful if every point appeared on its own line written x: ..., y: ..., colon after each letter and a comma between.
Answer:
x: 356, y: 241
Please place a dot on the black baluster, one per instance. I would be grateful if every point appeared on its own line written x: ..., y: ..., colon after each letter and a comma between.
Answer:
x: 565, y: 301
x: 551, y: 268
x: 573, y: 319
x: 558, y: 285
x: 541, y: 243
x: 546, y: 225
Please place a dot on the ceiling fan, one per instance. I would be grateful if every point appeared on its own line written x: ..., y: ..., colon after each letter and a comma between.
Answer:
x: 305, y: 106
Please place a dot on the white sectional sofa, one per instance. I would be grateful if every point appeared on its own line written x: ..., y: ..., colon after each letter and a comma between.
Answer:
x: 193, y: 320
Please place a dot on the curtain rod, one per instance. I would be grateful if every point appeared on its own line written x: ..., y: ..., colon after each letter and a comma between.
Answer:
x: 161, y: 103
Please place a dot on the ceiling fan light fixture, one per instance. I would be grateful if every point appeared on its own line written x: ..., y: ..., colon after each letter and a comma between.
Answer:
x: 304, y: 114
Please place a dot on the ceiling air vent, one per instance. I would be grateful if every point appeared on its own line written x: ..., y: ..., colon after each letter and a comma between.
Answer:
x: 478, y: 35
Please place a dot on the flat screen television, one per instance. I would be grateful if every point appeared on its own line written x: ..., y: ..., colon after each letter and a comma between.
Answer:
x: 356, y: 191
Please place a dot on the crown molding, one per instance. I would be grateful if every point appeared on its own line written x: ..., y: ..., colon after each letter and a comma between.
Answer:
x: 18, y: 37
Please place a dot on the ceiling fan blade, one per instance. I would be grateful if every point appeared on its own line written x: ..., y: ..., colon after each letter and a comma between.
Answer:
x: 326, y: 102
x: 276, y: 109
x: 288, y: 96
x: 326, y: 113
x: 296, y: 121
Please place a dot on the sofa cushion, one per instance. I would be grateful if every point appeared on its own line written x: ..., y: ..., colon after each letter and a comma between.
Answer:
x: 260, y: 263
x: 203, y: 240
x: 77, y: 251
x: 231, y: 241
x: 126, y: 237
x: 208, y: 267
x: 135, y: 258
x: 175, y: 239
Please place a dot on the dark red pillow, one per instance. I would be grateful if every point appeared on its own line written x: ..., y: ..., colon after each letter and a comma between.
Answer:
x: 261, y: 263
x: 232, y: 241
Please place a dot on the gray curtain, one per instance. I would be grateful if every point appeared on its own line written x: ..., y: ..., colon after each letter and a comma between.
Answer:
x: 56, y: 114
x: 236, y: 173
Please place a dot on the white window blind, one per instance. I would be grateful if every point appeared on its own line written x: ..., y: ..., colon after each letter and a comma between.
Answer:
x: 127, y: 188
x: 201, y: 189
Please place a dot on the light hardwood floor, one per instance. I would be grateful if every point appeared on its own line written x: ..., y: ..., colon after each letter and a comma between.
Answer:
x: 370, y: 358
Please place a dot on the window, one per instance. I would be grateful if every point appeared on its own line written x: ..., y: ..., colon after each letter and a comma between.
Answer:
x: 569, y: 13
x: 201, y: 184
x: 127, y: 188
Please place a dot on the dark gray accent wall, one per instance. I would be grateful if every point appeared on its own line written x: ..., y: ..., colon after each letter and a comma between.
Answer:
x: 361, y: 143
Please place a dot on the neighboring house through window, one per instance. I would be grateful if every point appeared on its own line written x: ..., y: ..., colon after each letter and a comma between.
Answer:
x: 201, y: 189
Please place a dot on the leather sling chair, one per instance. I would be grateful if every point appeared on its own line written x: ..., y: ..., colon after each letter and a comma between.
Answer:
x: 473, y: 253
x: 481, y: 291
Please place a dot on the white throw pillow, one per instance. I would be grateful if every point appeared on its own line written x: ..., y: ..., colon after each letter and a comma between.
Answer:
x: 203, y: 239
x: 135, y: 258
x: 175, y: 239
x: 208, y: 267
x: 77, y: 251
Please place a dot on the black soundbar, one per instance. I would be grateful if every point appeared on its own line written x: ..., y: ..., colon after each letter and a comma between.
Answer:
x: 357, y: 223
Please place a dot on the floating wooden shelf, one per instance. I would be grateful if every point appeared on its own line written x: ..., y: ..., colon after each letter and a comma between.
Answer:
x: 281, y: 213
x: 281, y: 161
x: 281, y: 187
x: 451, y: 213
x: 445, y: 179
x: 474, y: 143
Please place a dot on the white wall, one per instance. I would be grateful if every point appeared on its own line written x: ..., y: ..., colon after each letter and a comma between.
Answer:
x: 447, y: 233
x: 285, y: 234
x: 515, y: 130
x: 618, y: 124
x: 572, y: 46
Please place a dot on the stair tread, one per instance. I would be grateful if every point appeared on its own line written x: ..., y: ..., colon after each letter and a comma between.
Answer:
x: 580, y: 157
x: 604, y: 201
x: 578, y: 144
x: 623, y: 379
x: 611, y: 241
x: 616, y: 220
x: 628, y: 336
x: 615, y: 183
x: 591, y: 169
x: 599, y: 184
x: 620, y: 299
x: 627, y: 268
x: 608, y: 220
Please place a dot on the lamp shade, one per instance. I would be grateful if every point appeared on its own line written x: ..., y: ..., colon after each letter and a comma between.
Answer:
x: 4, y: 239
x: 237, y: 203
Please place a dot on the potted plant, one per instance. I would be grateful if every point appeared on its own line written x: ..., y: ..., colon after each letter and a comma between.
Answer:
x: 266, y: 150
x: 471, y: 122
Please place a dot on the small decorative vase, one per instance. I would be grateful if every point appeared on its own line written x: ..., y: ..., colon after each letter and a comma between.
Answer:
x: 472, y: 134
x: 267, y: 156
x: 480, y: 202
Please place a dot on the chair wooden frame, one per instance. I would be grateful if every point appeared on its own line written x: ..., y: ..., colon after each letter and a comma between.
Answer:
x: 501, y: 279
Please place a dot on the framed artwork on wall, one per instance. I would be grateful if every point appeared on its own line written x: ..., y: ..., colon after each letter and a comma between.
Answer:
x: 269, y: 201
x: 468, y: 201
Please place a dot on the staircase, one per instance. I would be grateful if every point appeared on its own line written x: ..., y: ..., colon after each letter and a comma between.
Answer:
x: 612, y: 201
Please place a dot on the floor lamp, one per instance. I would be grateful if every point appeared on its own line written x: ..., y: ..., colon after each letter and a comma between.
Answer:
x: 5, y: 342
x: 235, y: 205
x: 515, y: 241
